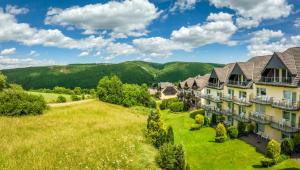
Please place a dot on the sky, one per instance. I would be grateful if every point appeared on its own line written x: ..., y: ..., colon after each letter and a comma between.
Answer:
x: 56, y: 32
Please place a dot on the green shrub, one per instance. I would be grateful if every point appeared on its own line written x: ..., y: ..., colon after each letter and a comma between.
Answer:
x: 199, y: 119
x: 241, y: 128
x: 171, y: 157
x: 155, y: 131
x: 61, y: 99
x: 206, y: 121
x: 273, y: 150
x: 170, y: 135
x: 221, y: 118
x: 296, y: 140
x: 195, y: 126
x: 166, y: 157
x: 267, y: 162
x: 75, y: 97
x: 2, y: 81
x: 233, y: 132
x: 250, y: 128
x: 176, y: 106
x: 196, y: 112
x: 287, y: 146
x: 18, y: 103
x: 165, y: 104
x: 220, y: 133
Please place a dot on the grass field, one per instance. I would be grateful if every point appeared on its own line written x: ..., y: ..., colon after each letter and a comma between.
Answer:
x: 94, y: 135
x: 51, y: 97
x: 204, y: 153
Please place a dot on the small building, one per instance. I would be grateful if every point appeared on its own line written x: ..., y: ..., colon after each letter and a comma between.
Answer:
x: 167, y: 90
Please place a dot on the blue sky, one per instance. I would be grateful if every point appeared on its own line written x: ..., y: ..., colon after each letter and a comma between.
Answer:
x: 221, y: 31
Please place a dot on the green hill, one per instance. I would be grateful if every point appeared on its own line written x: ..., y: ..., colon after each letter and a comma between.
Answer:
x: 87, y: 75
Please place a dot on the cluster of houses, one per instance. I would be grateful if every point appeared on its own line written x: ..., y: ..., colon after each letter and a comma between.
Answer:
x: 263, y: 91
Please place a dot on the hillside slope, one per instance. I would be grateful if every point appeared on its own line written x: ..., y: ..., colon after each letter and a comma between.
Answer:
x: 87, y: 75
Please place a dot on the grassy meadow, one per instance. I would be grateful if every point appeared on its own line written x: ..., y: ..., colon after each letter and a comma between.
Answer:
x: 51, y: 97
x: 93, y: 135
x: 203, y: 153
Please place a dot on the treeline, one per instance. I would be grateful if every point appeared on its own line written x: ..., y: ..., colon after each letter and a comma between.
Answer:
x: 16, y: 102
x: 63, y: 90
x: 112, y: 90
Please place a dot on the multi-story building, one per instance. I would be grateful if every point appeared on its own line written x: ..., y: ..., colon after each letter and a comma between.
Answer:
x: 264, y: 91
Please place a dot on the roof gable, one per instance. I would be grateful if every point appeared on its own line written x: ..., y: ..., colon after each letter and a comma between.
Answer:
x: 213, y: 74
x: 237, y: 70
x: 275, y: 62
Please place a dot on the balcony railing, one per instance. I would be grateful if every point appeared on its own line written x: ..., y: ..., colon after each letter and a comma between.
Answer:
x: 241, y: 117
x: 287, y: 105
x: 241, y: 101
x: 238, y: 83
x: 284, y: 126
x: 262, y: 100
x: 261, y: 118
x: 228, y: 98
x: 208, y: 108
x: 214, y: 85
x: 211, y: 97
x: 277, y: 80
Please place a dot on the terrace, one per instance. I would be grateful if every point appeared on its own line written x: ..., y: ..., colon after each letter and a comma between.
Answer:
x: 242, y: 117
x: 286, y: 105
x: 260, y: 118
x: 216, y: 99
x: 227, y: 97
x: 214, y: 85
x: 277, y: 81
x: 284, y: 126
x: 262, y: 100
x: 241, y: 101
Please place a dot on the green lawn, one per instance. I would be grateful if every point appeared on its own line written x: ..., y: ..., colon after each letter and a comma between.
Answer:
x: 51, y: 97
x: 93, y: 135
x: 203, y: 153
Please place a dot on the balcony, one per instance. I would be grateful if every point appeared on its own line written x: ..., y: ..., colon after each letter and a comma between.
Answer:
x: 286, y: 105
x: 228, y: 98
x: 240, y: 84
x: 260, y: 118
x: 208, y: 108
x: 241, y: 117
x: 262, y: 100
x: 278, y: 81
x: 241, y: 101
x: 284, y: 126
x: 210, y: 97
x: 214, y: 85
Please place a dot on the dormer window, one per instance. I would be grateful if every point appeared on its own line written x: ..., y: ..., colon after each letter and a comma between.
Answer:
x: 237, y: 77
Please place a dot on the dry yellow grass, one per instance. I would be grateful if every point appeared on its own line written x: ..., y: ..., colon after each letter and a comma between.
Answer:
x: 93, y: 135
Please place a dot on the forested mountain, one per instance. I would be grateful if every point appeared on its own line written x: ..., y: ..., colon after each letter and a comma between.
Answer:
x: 88, y: 75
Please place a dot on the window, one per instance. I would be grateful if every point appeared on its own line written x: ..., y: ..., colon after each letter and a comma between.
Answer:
x: 207, y: 102
x: 219, y: 94
x: 231, y: 92
x: 230, y: 106
x: 208, y: 91
x: 259, y: 108
x: 290, y: 117
x: 242, y: 109
x: 219, y: 105
x: 260, y: 127
x: 261, y: 92
x: 242, y: 94
x: 289, y: 96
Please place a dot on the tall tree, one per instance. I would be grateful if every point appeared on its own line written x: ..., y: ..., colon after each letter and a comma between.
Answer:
x: 110, y: 90
x: 2, y: 81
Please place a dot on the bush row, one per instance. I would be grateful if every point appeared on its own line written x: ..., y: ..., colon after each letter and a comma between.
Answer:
x: 173, y: 104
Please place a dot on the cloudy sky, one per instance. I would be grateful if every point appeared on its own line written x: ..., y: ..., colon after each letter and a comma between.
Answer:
x: 48, y: 32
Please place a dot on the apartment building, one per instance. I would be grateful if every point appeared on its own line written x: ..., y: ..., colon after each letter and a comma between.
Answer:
x: 264, y: 91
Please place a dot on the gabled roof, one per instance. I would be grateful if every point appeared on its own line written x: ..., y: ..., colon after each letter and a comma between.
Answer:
x: 201, y: 81
x: 164, y: 85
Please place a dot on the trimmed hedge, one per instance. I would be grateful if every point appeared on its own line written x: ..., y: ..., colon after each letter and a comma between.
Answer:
x: 196, y: 112
x: 287, y: 146
x: 273, y: 150
x: 176, y: 106
x: 233, y: 132
x: 199, y: 119
x: 18, y: 103
x: 195, y: 126
x: 220, y: 133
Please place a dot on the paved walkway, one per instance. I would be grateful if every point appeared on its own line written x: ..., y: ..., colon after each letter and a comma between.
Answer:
x: 69, y: 103
x: 259, y: 143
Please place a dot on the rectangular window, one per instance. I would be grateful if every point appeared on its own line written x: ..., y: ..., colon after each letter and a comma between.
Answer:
x: 261, y: 92
x: 289, y: 96
x: 231, y: 92
x: 208, y: 91
x: 242, y: 109
x: 242, y: 94
x: 260, y: 109
x: 290, y: 118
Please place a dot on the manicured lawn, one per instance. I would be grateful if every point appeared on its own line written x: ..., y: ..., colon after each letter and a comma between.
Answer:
x: 51, y: 97
x: 203, y: 153
x: 93, y: 135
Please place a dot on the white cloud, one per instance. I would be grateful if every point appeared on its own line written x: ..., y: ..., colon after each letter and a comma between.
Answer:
x: 33, y: 53
x: 23, y: 33
x: 8, y: 51
x: 129, y: 17
x: 246, y: 22
x: 297, y: 23
x: 84, y: 54
x: 256, y: 9
x: 183, y: 5
x: 265, y: 42
x: 218, y: 29
x: 15, y: 10
x: 120, y: 49
x: 8, y: 62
